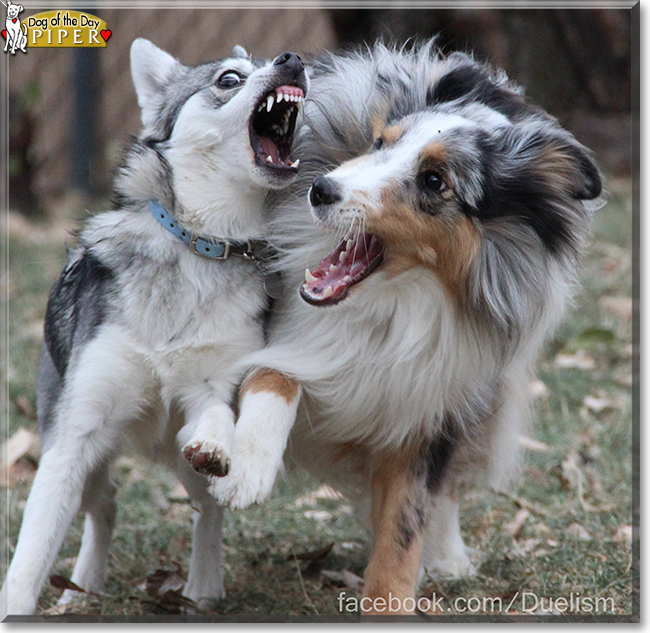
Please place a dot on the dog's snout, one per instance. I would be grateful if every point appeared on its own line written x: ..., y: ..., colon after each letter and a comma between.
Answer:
x: 324, y: 191
x: 290, y: 60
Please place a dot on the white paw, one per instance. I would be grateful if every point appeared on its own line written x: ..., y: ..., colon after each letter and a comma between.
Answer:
x: 459, y: 565
x: 250, y: 481
x: 207, y: 457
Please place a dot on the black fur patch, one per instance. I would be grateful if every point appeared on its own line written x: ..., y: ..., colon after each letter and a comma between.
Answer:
x: 517, y: 183
x: 436, y: 460
x: 411, y: 522
x: 76, y: 307
x: 474, y: 82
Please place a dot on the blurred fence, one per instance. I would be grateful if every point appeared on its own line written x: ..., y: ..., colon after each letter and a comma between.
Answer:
x: 575, y: 63
x: 44, y: 123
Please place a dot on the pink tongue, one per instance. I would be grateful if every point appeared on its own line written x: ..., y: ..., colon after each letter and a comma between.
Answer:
x: 270, y: 148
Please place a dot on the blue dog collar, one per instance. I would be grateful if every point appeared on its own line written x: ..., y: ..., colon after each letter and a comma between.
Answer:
x: 219, y: 249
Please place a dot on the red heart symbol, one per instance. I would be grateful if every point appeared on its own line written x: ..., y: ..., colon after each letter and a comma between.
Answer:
x: 105, y: 35
x: 4, y: 33
x: 15, y: 20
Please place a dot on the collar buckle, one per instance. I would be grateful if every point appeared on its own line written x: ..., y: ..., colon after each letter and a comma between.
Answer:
x: 248, y: 252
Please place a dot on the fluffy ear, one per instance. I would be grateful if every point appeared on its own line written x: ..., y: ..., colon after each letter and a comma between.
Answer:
x: 239, y: 51
x: 151, y: 69
x: 556, y: 158
x: 589, y: 184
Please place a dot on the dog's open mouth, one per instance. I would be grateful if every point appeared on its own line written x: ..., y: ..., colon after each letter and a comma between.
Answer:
x: 272, y: 126
x: 348, y: 264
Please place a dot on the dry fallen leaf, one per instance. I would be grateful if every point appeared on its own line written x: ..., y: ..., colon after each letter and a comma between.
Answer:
x: 63, y: 583
x: 579, y: 360
x: 324, y: 492
x: 318, y: 515
x: 24, y: 406
x: 533, y: 445
x: 516, y: 526
x: 618, y: 306
x: 570, y: 472
x: 343, y: 578
x: 314, y: 554
x: 579, y: 532
x: 596, y: 405
x: 165, y: 588
x: 19, y: 458
x: 623, y: 535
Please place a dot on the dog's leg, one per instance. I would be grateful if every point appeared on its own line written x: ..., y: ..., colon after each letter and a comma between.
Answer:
x: 205, y: 579
x: 445, y: 554
x: 268, y: 405
x: 209, y: 446
x: 98, y: 502
x: 399, y: 513
x: 100, y: 397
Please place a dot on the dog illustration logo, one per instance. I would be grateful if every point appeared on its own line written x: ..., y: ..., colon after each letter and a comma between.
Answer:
x: 15, y: 32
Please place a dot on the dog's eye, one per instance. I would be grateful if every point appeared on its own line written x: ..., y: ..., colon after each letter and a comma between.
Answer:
x: 432, y: 181
x: 378, y: 144
x: 229, y: 79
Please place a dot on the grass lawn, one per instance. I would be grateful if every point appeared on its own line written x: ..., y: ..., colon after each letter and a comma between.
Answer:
x: 562, y: 529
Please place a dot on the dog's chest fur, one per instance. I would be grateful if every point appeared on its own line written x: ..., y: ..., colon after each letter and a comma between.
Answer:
x: 171, y: 301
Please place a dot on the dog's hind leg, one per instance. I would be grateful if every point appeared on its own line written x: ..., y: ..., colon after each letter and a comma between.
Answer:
x: 98, y: 502
x: 101, y: 395
x: 445, y: 554
x: 205, y: 579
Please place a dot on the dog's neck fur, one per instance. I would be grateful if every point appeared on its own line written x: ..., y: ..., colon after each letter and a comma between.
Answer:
x: 205, y: 197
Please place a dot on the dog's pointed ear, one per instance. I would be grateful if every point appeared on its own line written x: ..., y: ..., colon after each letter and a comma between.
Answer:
x: 151, y: 69
x: 239, y: 51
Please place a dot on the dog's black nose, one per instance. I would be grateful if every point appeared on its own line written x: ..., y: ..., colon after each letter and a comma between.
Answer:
x: 323, y: 191
x: 291, y: 60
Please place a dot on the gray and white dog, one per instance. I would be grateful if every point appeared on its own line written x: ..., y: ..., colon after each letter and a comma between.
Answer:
x: 148, y: 323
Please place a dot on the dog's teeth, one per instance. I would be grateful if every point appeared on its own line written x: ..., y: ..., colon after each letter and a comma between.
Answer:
x: 269, y: 159
x: 328, y: 292
x: 309, y: 278
x: 333, y: 268
x: 279, y: 96
x: 269, y: 102
x: 300, y: 105
x: 347, y: 279
x: 296, y: 164
x: 348, y: 245
x: 342, y: 256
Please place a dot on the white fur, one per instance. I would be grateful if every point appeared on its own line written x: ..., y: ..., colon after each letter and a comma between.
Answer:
x: 261, y: 437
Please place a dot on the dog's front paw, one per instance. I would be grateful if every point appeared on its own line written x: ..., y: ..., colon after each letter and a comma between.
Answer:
x: 250, y: 482
x: 207, y: 457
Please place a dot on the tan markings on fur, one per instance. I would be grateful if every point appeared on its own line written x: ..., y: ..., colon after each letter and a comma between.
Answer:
x: 434, y: 153
x: 271, y: 381
x: 379, y: 121
x: 392, y: 569
x: 561, y: 172
x: 392, y: 134
x: 448, y: 244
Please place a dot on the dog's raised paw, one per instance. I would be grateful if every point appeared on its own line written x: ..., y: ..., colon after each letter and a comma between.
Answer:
x: 207, y: 457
